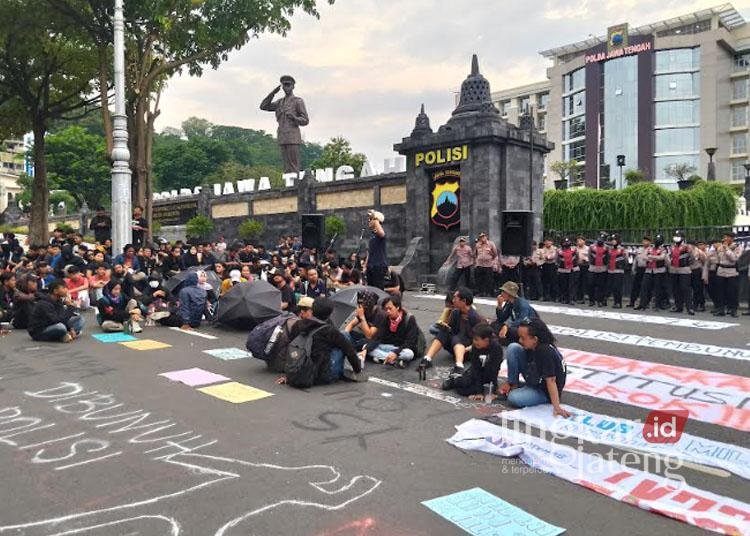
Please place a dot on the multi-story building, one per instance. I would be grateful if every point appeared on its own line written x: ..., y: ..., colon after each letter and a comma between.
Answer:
x: 12, y: 164
x: 659, y: 95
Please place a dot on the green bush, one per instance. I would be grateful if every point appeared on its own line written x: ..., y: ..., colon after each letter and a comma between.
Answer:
x: 15, y: 230
x: 71, y: 204
x: 64, y: 227
x: 334, y: 225
x: 199, y: 226
x: 156, y: 227
x: 641, y: 206
x: 251, y: 229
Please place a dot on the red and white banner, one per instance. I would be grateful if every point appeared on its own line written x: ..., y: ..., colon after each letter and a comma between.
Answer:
x: 670, y: 497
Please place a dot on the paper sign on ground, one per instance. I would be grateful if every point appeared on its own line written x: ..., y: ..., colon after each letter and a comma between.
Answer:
x: 234, y: 392
x: 113, y: 337
x: 624, y: 433
x: 480, y: 513
x: 671, y: 498
x: 194, y: 377
x: 146, y: 344
x: 228, y: 354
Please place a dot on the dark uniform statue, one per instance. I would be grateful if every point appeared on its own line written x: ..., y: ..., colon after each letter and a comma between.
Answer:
x: 290, y: 114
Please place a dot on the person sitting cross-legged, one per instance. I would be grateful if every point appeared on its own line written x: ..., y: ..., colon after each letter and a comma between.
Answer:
x: 457, y: 335
x: 396, y: 340
x: 368, y: 317
x: 116, y: 309
x: 53, y: 318
x: 537, y: 359
x: 484, y: 357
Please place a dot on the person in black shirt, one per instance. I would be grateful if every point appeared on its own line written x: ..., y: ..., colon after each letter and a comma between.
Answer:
x: 396, y: 340
x: 484, y: 357
x: 377, y: 260
x: 139, y: 226
x: 287, y: 294
x: 52, y: 320
x: 101, y: 224
x: 314, y: 287
x: 536, y: 358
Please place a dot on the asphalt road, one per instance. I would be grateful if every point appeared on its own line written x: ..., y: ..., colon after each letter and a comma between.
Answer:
x: 94, y: 442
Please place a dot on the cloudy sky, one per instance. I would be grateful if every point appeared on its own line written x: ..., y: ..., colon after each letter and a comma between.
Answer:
x: 365, y: 66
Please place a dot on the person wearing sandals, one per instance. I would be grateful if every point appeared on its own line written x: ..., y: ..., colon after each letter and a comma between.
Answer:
x: 396, y: 340
x: 537, y: 359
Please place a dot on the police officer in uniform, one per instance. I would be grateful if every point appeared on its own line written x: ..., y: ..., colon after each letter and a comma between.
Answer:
x: 567, y: 271
x: 598, y: 257
x: 639, y: 268
x: 653, y: 277
x: 709, y: 273
x: 680, y: 273
x: 549, y: 270
x: 727, y: 276
x: 616, y: 264
x: 583, y: 265
x: 532, y: 278
x: 700, y: 258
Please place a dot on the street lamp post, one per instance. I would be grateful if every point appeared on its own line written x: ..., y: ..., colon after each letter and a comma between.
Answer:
x: 122, y: 232
x: 526, y: 122
x: 746, y: 165
x: 711, y: 174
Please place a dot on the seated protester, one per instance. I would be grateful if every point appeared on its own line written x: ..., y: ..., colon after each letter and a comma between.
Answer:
x: 116, y: 309
x: 53, y: 320
x: 246, y: 273
x: 220, y: 270
x: 511, y: 311
x: 156, y: 299
x: 484, y: 357
x: 232, y: 280
x: 393, y: 284
x: 192, y: 258
x: 95, y: 263
x: 368, y: 317
x: 270, y: 340
x: 147, y: 260
x: 173, y: 264
x: 120, y: 274
x: 456, y: 337
x: 68, y: 258
x: 333, y: 274
x: 211, y: 297
x: 78, y: 288
x: 193, y: 301
x: 45, y: 274
x: 129, y: 260
x: 396, y: 340
x: 7, y: 296
x: 329, y: 346
x: 288, y: 303
x: 355, y: 278
x: 26, y: 296
x: 537, y: 359
x: 97, y: 281
x: 314, y: 287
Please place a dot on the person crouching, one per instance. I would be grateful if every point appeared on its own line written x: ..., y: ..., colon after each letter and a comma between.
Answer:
x: 484, y: 357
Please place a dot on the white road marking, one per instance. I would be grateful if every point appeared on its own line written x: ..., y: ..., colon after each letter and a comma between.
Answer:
x: 195, y: 333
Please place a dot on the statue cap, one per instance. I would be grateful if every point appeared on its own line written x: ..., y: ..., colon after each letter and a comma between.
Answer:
x: 287, y: 78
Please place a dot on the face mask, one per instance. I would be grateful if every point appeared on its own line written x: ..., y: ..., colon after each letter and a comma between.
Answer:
x: 153, y: 284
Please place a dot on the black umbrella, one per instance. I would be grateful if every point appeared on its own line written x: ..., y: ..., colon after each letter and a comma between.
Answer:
x: 345, y: 302
x: 249, y: 304
x: 174, y: 283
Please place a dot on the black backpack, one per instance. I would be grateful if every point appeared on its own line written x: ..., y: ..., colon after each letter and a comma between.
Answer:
x: 301, y: 369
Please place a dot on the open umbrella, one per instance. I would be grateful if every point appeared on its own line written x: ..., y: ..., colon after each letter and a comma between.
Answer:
x: 249, y: 304
x: 174, y: 283
x: 345, y: 302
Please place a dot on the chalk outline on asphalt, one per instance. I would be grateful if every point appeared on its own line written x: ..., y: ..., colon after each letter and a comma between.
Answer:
x: 195, y: 333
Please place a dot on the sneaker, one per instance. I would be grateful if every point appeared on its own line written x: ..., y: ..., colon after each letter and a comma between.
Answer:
x: 378, y: 360
x: 425, y: 363
x: 158, y: 315
x: 401, y: 364
x: 355, y: 376
x: 457, y: 371
x: 136, y: 328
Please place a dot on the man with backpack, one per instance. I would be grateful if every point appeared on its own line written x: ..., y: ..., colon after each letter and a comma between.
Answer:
x: 397, y: 340
x: 317, y: 350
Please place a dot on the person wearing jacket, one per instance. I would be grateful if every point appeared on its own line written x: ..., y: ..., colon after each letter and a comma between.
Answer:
x: 680, y: 257
x: 192, y: 302
x: 129, y: 259
x: 639, y: 269
x: 116, y: 309
x: 567, y: 272
x: 598, y: 259
x: 329, y: 346
x: 653, y: 277
x: 727, y: 276
x: 617, y: 261
x: 52, y: 320
x: 396, y: 340
x: 511, y: 311
x: 484, y: 356
x: 26, y: 296
x: 549, y: 270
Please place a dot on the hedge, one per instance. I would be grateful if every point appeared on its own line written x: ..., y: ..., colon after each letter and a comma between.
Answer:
x: 640, y: 206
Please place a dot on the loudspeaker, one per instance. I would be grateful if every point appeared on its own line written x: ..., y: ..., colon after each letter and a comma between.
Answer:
x: 517, y: 232
x: 313, y: 231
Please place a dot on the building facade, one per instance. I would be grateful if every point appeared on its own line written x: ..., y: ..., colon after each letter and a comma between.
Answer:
x: 12, y: 164
x: 652, y: 98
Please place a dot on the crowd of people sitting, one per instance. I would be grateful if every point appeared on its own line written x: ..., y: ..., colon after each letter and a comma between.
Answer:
x: 676, y: 277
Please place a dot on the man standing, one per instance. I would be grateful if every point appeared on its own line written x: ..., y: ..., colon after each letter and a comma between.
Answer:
x: 101, y: 224
x: 377, y: 260
x: 653, y: 277
x: 290, y: 114
x: 727, y: 276
x: 140, y: 227
x: 598, y: 257
x: 680, y: 258
x: 583, y: 265
x: 485, y: 255
x: 639, y: 268
x: 464, y: 257
x: 700, y: 258
x: 567, y: 271
x: 549, y: 270
x: 616, y: 264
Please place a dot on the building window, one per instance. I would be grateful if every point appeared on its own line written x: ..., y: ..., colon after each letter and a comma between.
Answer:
x: 574, y: 128
x: 739, y: 143
x: 542, y: 122
x: 742, y: 62
x: 670, y: 86
x: 739, y: 116
x: 677, y: 140
x: 504, y: 107
x: 739, y: 89
x: 543, y: 101
x: 678, y: 60
x: 677, y: 113
x: 523, y: 104
x: 574, y: 104
x: 738, y: 170
x: 575, y: 151
x: 692, y: 28
x: 575, y: 80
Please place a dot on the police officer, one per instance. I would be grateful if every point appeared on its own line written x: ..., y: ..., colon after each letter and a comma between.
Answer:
x: 616, y: 264
x: 598, y: 257
x: 583, y: 265
x: 532, y: 278
x: 639, y: 268
x: 567, y: 271
x: 700, y: 258
x: 549, y: 270
x: 727, y: 276
x: 709, y: 273
x: 653, y: 277
x: 680, y: 273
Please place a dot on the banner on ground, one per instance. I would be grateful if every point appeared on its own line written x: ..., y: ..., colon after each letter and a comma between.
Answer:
x: 625, y: 433
x: 650, y: 492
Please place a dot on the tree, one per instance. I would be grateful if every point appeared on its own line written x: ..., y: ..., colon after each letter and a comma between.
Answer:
x: 194, y: 127
x: 634, y: 176
x: 338, y: 152
x: 77, y: 162
x: 186, y: 163
x: 334, y: 225
x: 234, y: 171
x: 566, y: 170
x: 199, y: 227
x: 679, y: 172
x: 251, y: 229
x: 46, y: 72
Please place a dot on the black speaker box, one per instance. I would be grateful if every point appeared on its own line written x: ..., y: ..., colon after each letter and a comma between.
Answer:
x: 516, y: 232
x: 313, y: 231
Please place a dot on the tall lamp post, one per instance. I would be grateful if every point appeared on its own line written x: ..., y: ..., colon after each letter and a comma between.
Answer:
x: 122, y: 232
x: 711, y: 174
x: 526, y: 122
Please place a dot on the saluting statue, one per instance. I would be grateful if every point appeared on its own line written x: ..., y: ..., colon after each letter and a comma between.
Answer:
x: 291, y: 114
